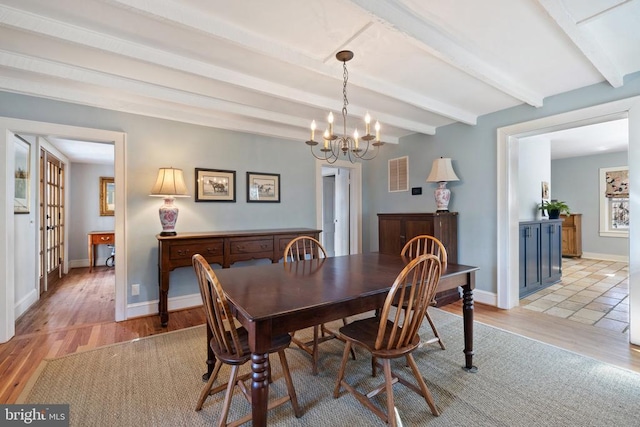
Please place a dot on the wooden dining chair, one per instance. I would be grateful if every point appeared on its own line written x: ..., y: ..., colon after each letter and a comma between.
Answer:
x: 230, y: 346
x: 300, y: 249
x: 394, y: 334
x: 421, y: 245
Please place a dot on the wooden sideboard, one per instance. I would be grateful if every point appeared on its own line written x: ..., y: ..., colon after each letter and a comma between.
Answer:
x: 396, y: 229
x: 222, y: 247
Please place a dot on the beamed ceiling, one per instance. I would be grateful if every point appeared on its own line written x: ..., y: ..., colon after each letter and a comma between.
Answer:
x: 269, y: 67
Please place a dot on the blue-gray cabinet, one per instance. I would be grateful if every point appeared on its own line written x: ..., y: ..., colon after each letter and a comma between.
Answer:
x: 540, y: 257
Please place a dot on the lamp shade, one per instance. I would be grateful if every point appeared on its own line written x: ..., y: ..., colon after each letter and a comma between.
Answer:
x: 170, y: 182
x: 441, y: 170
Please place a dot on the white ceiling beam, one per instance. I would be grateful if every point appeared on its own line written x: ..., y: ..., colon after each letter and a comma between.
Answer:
x: 137, y: 104
x: 181, y: 14
x: 583, y: 41
x: 53, y: 29
x: 437, y: 42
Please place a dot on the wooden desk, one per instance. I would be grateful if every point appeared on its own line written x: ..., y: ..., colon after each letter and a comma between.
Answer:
x: 275, y: 299
x: 98, y: 238
x: 222, y: 247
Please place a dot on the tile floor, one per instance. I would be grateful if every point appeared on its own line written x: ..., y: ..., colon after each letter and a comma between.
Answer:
x: 593, y: 292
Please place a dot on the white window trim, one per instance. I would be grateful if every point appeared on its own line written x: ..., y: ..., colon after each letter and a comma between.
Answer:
x: 605, y: 231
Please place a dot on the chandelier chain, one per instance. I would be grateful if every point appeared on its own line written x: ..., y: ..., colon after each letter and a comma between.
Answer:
x: 345, y: 100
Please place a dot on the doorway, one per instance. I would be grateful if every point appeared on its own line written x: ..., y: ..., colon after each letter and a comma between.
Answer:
x: 9, y: 233
x: 52, y: 202
x: 507, y: 203
x: 344, y: 230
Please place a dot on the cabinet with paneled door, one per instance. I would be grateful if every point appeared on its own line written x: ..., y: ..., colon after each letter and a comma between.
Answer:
x: 572, y: 235
x: 540, y: 255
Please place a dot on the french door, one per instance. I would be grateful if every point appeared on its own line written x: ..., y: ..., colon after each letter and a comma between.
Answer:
x: 51, y: 219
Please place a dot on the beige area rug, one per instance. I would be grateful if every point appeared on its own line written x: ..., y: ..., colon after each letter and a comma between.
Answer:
x: 520, y: 382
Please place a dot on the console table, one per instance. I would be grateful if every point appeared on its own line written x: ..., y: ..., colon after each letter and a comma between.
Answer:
x: 98, y: 238
x: 221, y: 247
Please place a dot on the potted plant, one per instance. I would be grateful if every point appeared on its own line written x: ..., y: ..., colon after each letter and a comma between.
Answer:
x: 555, y: 208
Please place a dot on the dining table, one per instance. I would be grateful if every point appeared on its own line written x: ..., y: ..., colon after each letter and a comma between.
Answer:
x: 271, y: 299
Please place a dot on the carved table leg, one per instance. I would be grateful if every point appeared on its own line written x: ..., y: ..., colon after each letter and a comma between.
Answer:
x: 259, y: 388
x: 467, y: 313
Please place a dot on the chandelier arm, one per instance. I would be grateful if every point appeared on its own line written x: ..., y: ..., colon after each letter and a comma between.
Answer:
x: 346, y: 145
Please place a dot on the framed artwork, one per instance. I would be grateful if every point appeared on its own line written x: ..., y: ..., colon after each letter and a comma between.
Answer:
x: 107, y: 196
x: 21, y: 197
x: 215, y: 185
x: 263, y: 187
x: 545, y: 190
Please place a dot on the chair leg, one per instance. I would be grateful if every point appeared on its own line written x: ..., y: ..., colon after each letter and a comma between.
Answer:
x: 343, y: 364
x: 423, y: 387
x: 233, y: 378
x: 353, y: 353
x: 207, y: 388
x: 287, y: 378
x: 435, y: 331
x: 314, y: 356
x: 388, y: 380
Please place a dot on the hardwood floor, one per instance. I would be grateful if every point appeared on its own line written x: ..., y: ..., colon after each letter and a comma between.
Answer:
x: 77, y: 315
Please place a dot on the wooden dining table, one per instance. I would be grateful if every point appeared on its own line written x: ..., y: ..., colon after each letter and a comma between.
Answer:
x: 279, y: 298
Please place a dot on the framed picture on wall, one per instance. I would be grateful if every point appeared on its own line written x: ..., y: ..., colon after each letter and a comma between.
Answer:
x: 263, y: 187
x: 21, y: 196
x: 215, y: 185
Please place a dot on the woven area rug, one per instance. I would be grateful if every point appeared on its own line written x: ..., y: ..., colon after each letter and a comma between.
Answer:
x: 155, y: 381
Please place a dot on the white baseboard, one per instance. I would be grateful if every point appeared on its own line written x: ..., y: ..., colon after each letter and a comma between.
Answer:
x: 485, y: 297
x: 26, y: 302
x: 147, y: 308
x: 606, y: 257
x: 79, y: 263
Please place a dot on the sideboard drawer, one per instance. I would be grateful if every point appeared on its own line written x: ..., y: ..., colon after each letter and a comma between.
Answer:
x: 207, y: 250
x: 247, y: 246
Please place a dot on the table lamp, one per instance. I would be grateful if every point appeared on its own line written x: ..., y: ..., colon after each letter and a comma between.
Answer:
x: 169, y: 185
x: 442, y: 172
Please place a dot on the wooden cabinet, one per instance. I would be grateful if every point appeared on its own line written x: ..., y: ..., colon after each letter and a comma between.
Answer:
x: 540, y: 255
x: 222, y: 247
x: 572, y: 235
x: 396, y: 229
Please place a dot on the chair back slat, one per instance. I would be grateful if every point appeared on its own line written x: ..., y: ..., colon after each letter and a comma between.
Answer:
x: 414, y: 288
x: 425, y: 244
x: 218, y: 312
x: 303, y: 248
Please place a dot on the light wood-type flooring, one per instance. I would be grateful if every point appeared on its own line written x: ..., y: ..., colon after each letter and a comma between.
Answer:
x: 78, y: 314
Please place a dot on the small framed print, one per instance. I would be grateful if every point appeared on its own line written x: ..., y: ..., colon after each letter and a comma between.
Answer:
x: 214, y: 185
x: 263, y: 187
x: 21, y: 195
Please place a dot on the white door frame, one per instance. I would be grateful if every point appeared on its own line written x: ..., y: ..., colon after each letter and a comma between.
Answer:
x: 507, y: 197
x: 9, y: 126
x: 355, y: 201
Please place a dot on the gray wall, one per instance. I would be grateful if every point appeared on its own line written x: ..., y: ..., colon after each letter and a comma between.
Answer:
x: 84, y: 211
x: 474, y: 153
x: 575, y: 180
x: 153, y: 143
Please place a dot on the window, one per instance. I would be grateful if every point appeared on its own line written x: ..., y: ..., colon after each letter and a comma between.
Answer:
x: 614, y: 202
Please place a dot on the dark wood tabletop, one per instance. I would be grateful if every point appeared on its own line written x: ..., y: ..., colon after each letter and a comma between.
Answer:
x: 279, y: 298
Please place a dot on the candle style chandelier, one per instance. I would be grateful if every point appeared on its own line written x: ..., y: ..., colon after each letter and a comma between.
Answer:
x: 351, y: 147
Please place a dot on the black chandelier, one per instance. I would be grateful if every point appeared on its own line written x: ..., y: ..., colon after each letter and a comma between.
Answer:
x: 351, y: 147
